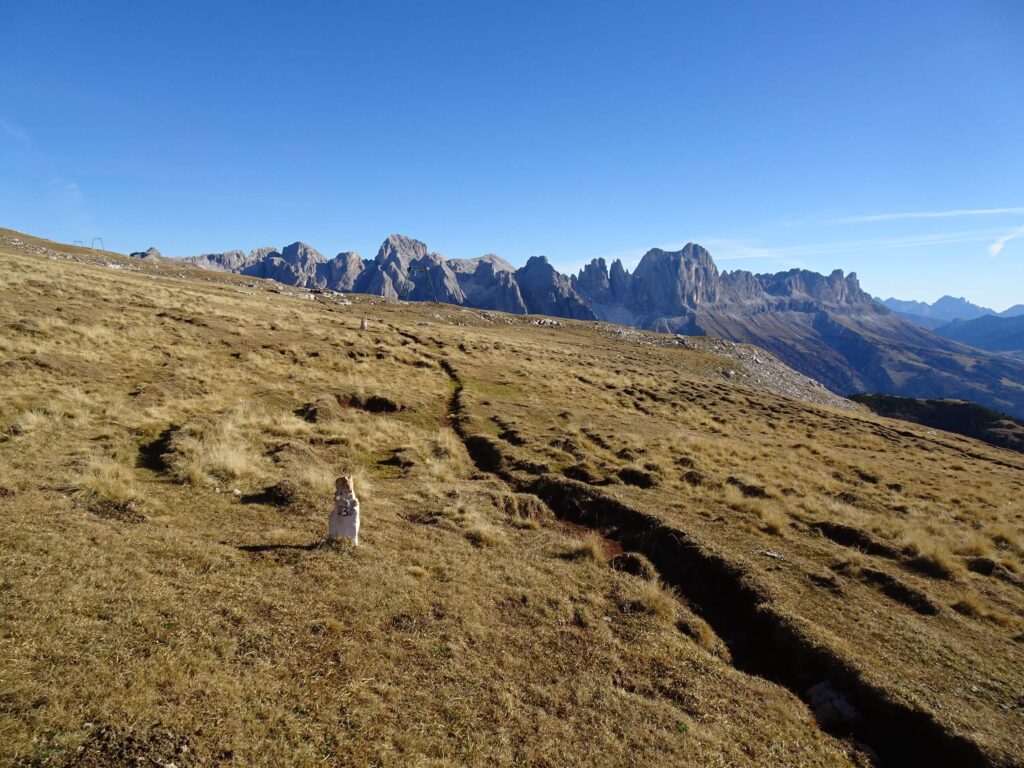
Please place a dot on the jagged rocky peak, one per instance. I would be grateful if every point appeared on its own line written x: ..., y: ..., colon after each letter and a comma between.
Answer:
x: 538, y: 268
x: 489, y: 263
x: 228, y: 261
x: 300, y: 253
x: 257, y: 254
x: 741, y: 286
x: 342, y: 271
x: 602, y: 285
x: 619, y: 280
x: 548, y: 292
x: 676, y: 281
x: 594, y: 282
x: 401, y: 250
x: 488, y: 282
x: 348, y: 257
x: 391, y: 273
x: 834, y: 289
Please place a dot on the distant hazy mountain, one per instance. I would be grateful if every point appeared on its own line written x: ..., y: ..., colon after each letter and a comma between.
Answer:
x: 997, y: 333
x: 824, y: 326
x: 944, y: 311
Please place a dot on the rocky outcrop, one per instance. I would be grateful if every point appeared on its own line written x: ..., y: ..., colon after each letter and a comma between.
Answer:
x: 489, y: 282
x: 149, y: 253
x: 548, y: 292
x: 595, y: 283
x: 673, y: 287
x: 229, y: 261
x: 405, y: 269
x: 297, y: 264
x: 799, y: 286
x: 672, y: 283
x: 341, y: 272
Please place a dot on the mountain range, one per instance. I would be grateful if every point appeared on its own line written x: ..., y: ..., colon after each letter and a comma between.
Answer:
x: 825, y: 326
x: 960, y: 320
x: 992, y: 332
x: 945, y: 310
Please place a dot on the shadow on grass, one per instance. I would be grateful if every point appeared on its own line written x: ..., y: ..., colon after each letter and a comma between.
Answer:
x: 263, y: 497
x: 278, y: 547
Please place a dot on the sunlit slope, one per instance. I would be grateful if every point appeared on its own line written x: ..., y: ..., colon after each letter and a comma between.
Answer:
x: 152, y: 612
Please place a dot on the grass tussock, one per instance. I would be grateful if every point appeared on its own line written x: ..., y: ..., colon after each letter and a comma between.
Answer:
x: 30, y: 421
x: 228, y: 447
x: 591, y: 547
x: 658, y: 599
x: 482, y: 534
x: 772, y: 520
x: 319, y: 480
x: 703, y: 635
x: 107, y: 481
x: 971, y: 605
x: 930, y: 555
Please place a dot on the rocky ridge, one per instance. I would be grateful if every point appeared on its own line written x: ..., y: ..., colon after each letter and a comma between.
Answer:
x: 825, y: 326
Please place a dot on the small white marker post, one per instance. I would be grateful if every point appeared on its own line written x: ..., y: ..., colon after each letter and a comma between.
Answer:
x: 344, y: 520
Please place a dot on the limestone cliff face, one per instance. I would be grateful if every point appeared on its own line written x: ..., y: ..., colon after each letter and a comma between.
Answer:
x: 341, y: 272
x: 489, y: 282
x: 548, y: 292
x: 405, y: 269
x: 674, y: 282
x: 296, y: 264
x: 835, y: 290
x: 685, y: 282
x: 595, y: 283
x: 229, y: 261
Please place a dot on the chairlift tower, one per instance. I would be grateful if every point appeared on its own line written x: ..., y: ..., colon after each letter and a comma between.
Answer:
x: 421, y: 270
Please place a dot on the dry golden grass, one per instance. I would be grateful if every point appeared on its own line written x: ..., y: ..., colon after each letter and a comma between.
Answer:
x: 590, y: 547
x: 457, y: 633
x: 108, y: 481
x: 930, y: 554
x: 658, y: 600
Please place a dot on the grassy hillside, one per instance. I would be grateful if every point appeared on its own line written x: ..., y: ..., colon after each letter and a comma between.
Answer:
x: 958, y: 416
x: 581, y: 545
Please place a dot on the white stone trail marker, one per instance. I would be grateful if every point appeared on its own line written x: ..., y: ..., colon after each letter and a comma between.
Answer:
x: 344, y: 520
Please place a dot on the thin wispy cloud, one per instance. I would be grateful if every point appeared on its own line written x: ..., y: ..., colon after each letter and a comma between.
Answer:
x: 13, y: 131
x: 41, y: 169
x: 724, y: 249
x: 66, y: 188
x: 997, y: 247
x: 955, y: 213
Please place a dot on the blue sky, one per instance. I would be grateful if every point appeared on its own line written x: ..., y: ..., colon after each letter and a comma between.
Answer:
x: 885, y: 138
